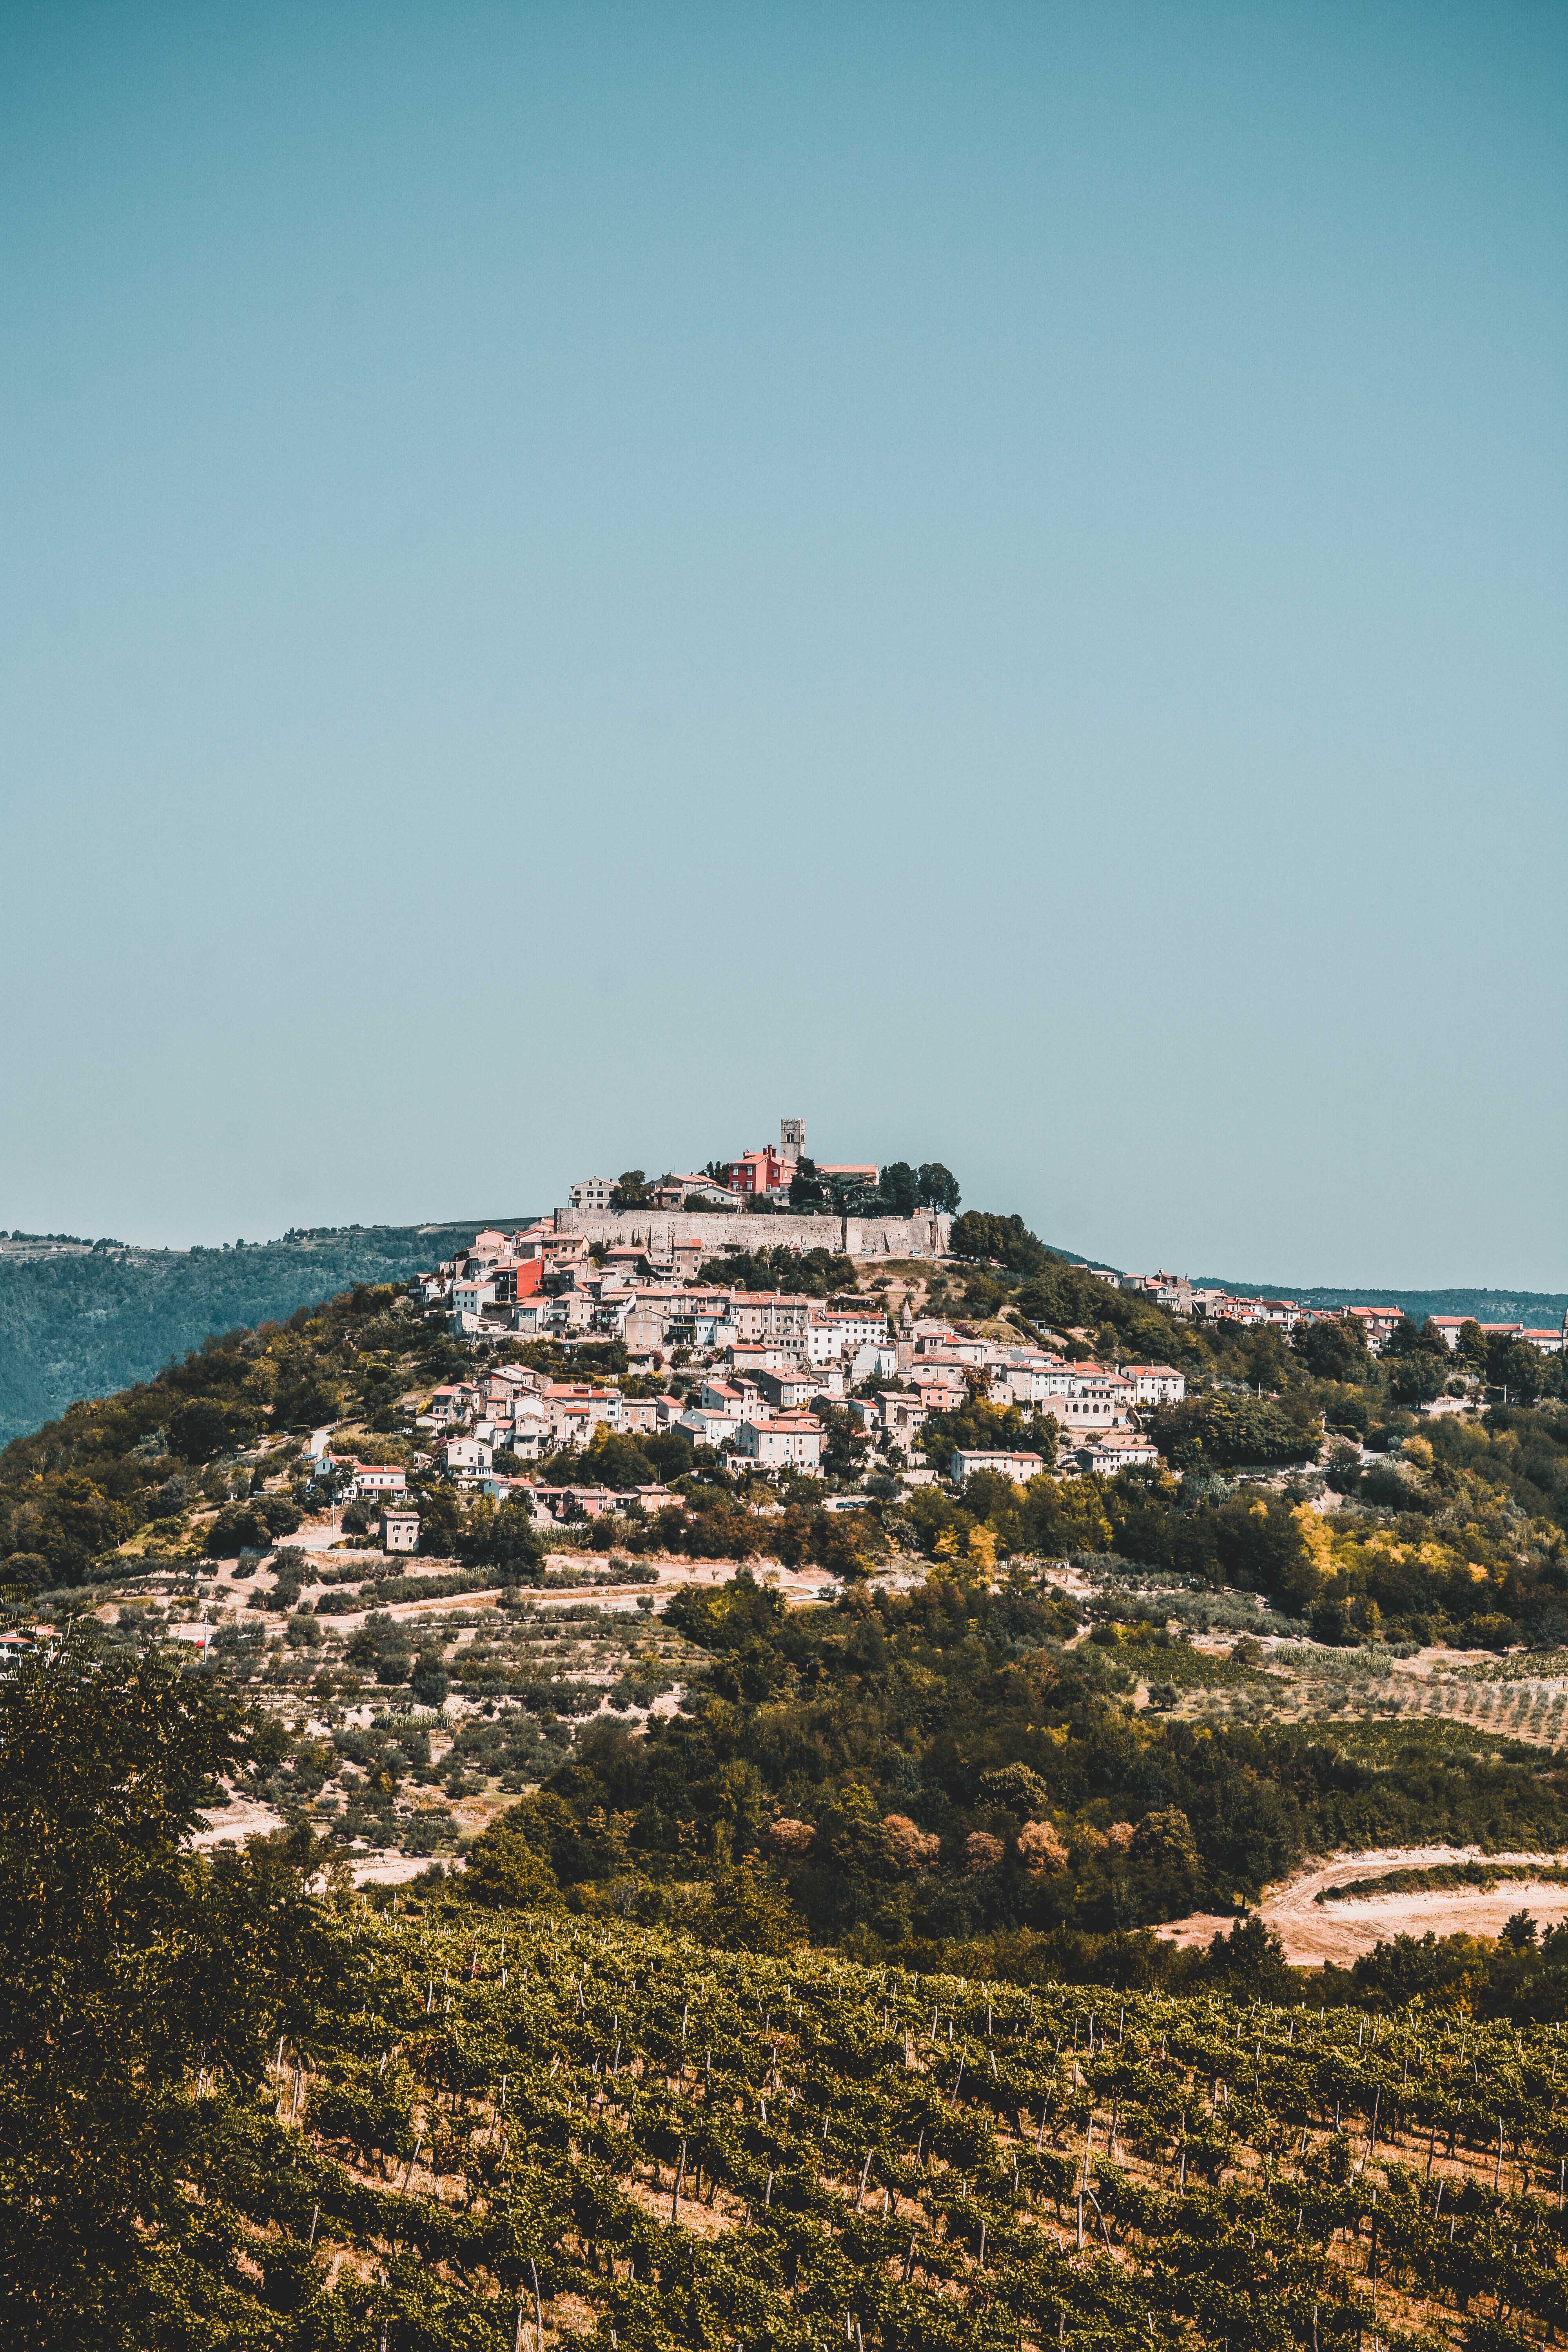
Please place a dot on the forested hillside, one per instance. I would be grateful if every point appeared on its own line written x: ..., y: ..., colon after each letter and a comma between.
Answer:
x: 957, y: 1761
x: 86, y: 1323
x: 733, y: 2008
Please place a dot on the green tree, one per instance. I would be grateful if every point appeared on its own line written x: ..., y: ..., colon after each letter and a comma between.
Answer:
x: 77, y: 1520
x: 1416, y: 1377
x: 1250, y: 1961
x: 936, y: 1187
x: 430, y: 1680
x: 1335, y: 1350
x: 806, y: 1188
x: 1472, y: 1346
x: 125, y: 1962
x: 1514, y: 1365
x: 900, y: 1188
x: 1229, y: 1431
x: 199, y: 1430
x: 746, y: 1909
x: 979, y: 1234
x: 507, y: 1872
x: 620, y: 1461
x: 441, y: 1522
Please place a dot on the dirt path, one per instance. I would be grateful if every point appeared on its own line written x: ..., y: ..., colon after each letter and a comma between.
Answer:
x: 799, y: 1586
x: 391, y: 1869
x: 240, y: 1819
x: 1341, y: 1931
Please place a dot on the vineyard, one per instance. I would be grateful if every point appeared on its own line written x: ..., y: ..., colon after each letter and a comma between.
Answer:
x: 551, y: 2132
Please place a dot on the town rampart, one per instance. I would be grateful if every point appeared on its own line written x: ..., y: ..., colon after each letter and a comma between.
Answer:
x: 925, y: 1234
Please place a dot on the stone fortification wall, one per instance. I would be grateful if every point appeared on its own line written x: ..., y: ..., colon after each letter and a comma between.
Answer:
x: 925, y: 1234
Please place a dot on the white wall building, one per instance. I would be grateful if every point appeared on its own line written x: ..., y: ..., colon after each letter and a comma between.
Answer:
x: 1117, y: 1449
x: 464, y: 1454
x: 713, y: 1429
x: 1019, y: 1468
x: 1095, y: 1399
x: 792, y: 1441
x: 379, y: 1478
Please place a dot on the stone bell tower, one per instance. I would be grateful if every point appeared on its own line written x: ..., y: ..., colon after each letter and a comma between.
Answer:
x: 792, y: 1140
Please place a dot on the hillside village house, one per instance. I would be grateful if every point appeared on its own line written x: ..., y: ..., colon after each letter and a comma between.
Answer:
x: 453, y: 1401
x: 786, y: 1388
x: 1027, y: 1379
x: 834, y: 1333
x: 1155, y: 1383
x: 1019, y: 1468
x: 379, y: 1478
x: 706, y: 1427
x: 1092, y: 1398
x: 751, y: 1357
x: 693, y: 1191
x: 791, y: 1441
x: 1379, y: 1325
x: 1117, y: 1449
x: 464, y: 1457
x: 399, y: 1529
x: 901, y: 1416
x: 762, y: 1171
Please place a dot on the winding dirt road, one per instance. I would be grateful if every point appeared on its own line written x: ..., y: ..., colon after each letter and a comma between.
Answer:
x: 1341, y: 1931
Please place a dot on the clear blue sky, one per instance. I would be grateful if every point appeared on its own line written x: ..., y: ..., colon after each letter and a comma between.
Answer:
x: 575, y: 579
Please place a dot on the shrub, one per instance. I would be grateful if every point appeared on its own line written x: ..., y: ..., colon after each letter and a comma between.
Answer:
x: 430, y: 1679
x: 504, y: 1870
x: 981, y: 1851
x: 911, y: 1847
x: 1016, y: 1786
x: 1040, y: 1848
x: 747, y: 1909
x: 791, y: 1837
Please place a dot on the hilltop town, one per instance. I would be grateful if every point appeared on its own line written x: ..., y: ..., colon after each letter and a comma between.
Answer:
x: 469, y: 1508
x: 754, y: 1374
x: 654, y: 1275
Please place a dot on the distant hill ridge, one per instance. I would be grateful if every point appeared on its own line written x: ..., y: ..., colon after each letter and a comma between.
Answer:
x: 80, y: 1319
x: 1536, y: 1309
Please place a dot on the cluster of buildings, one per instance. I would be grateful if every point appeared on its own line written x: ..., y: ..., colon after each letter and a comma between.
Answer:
x: 1095, y: 1405
x: 752, y: 1177
x: 749, y: 1365
x: 1378, y: 1324
x: 18, y: 1642
x: 1548, y: 1342
x: 759, y: 1408
x: 1175, y: 1292
x: 757, y: 1362
x: 546, y: 1283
